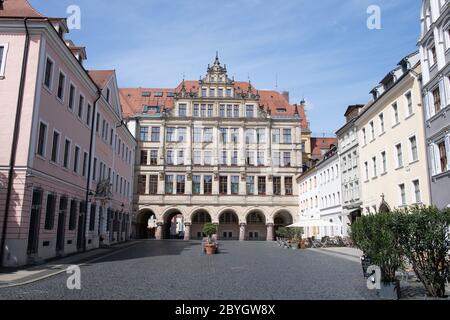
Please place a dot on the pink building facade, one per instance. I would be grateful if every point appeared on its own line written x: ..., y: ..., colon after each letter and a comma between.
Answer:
x: 66, y: 159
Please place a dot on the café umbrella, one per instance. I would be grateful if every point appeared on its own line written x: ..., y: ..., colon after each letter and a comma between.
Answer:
x: 313, y: 223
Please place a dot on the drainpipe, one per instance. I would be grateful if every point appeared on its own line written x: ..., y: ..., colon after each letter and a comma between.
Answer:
x: 88, y: 184
x: 12, y: 161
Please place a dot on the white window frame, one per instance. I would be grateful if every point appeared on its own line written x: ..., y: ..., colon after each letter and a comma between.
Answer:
x: 413, y: 189
x: 52, y: 77
x: 74, y: 97
x: 411, y: 157
x: 3, y: 64
x: 68, y: 155
x: 44, y: 155
x: 78, y: 107
x: 60, y: 71
x: 58, y: 154
x: 80, y: 156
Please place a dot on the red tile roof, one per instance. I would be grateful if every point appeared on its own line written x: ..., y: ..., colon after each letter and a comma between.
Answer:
x: 319, y: 144
x: 101, y: 77
x: 133, y: 101
x: 18, y: 8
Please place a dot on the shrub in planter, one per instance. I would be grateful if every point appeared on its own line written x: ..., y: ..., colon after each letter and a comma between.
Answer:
x: 373, y: 235
x: 209, y: 229
x: 282, y: 232
x: 422, y: 233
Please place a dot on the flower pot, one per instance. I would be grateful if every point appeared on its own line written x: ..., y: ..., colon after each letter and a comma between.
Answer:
x: 389, y: 291
x: 210, y: 249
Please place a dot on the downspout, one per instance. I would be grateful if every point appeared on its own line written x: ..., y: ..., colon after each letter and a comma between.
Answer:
x: 88, y: 184
x: 12, y: 161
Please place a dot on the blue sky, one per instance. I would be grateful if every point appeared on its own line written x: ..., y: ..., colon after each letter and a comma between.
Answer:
x: 320, y: 50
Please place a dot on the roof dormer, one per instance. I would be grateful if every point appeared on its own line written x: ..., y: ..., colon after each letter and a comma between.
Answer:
x: 60, y: 25
x: 78, y: 52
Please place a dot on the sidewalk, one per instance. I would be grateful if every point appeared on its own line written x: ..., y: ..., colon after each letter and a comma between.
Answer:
x: 20, y: 276
x: 351, y: 254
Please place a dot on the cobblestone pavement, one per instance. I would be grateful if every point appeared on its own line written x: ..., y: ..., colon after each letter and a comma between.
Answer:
x: 178, y: 270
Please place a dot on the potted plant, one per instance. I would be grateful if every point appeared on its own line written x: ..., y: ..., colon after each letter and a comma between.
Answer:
x: 373, y: 235
x: 209, y: 230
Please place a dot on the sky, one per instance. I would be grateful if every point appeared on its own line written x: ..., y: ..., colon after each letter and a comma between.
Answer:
x: 320, y: 51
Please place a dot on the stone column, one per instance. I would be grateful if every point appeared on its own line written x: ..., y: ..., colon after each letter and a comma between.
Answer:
x: 159, y: 231
x: 242, y: 231
x: 270, y: 236
x: 187, y: 231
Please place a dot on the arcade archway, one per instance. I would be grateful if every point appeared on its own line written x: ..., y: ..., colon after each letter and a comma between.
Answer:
x: 280, y: 220
x: 228, y: 226
x: 142, y: 231
x: 173, y: 225
x: 256, y: 226
x: 199, y: 218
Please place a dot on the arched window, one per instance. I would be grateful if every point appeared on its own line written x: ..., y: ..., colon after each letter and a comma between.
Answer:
x: 228, y: 217
x: 201, y: 217
x: 255, y: 218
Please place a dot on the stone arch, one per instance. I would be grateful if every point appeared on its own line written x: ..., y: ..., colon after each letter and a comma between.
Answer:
x: 282, y: 219
x: 228, y: 225
x: 198, y: 219
x: 141, y: 227
x: 256, y: 225
x: 173, y: 223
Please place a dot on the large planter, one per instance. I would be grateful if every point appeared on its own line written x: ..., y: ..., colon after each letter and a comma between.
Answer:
x: 210, y: 249
x: 389, y: 291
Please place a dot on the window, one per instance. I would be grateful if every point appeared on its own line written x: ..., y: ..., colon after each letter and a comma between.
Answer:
x: 80, y: 107
x: 399, y: 155
x: 228, y: 92
x: 374, y: 163
x: 250, y: 158
x: 249, y: 111
x: 182, y: 110
x: 210, y: 110
x: 364, y: 135
x: 260, y: 136
x: 71, y: 96
x: 287, y: 137
x: 437, y: 100
x: 409, y: 104
x: 92, y: 217
x: 197, y: 157
x: 212, y: 92
x: 55, y: 147
x: 235, y: 185
x: 381, y: 117
x: 276, y: 156
x: 207, y: 184
x: 181, y: 184
x: 182, y: 136
x: 417, y: 195
x: 286, y: 159
x: 85, y: 163
x: 288, y: 186
x: 42, y: 139
x: 224, y: 158
x: 61, y: 85
x: 223, y: 135
x: 143, y: 134
x: 153, y: 157
x: 48, y: 76
x: 277, y: 186
x: 108, y: 94
x: 276, y: 136
x: 372, y: 130
x: 88, y: 114
x: 180, y: 157
x: 170, y: 134
x: 144, y: 157
x: 3, y: 50
x: 159, y: 94
x: 236, y: 111
x: 261, y: 185
x: 97, y: 124
x: 402, y: 194
x: 433, y: 56
x: 443, y: 156
x: 414, y: 152
x: 50, y: 212
x: 220, y: 92
x: 234, y: 135
x: 234, y: 158
x: 197, y: 135
x: 204, y: 93
x: 260, y: 158
x: 76, y: 159
x: 395, y: 111
x: 155, y: 134
x: 142, y: 182
x: 384, y: 160
x: 169, y: 157
x: 250, y: 136
x: 111, y: 139
x: 196, y: 110
x: 229, y: 111
x: 73, y: 214
x: 250, y: 185
x: 207, y: 161
x: 196, y: 182
x: 208, y: 135
x: 169, y: 184
x: 366, y: 167
x: 94, y: 171
x: 222, y: 111
x: 223, y: 185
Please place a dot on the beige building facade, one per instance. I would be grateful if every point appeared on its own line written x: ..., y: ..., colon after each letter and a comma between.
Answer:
x: 393, y: 163
x: 215, y: 150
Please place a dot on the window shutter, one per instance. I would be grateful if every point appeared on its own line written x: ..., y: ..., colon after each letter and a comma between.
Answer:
x: 447, y: 148
x: 426, y: 101
x: 432, y: 159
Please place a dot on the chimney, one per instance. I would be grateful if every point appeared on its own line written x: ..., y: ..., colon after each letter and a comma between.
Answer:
x: 285, y: 94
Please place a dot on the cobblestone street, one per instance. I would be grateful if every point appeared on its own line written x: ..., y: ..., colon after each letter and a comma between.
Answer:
x: 178, y: 270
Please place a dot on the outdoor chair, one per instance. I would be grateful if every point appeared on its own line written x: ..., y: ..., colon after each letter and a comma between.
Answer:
x: 317, y: 244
